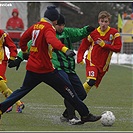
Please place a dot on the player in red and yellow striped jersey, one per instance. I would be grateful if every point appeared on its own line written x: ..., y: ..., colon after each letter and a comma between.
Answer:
x: 5, y: 41
x: 101, y: 44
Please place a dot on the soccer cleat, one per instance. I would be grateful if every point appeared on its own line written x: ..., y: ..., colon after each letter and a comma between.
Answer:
x: 75, y: 121
x: 19, y: 108
x: 64, y: 119
x: 9, y: 109
x: 90, y: 118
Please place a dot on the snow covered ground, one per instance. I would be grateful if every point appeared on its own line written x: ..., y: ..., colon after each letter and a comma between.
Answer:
x: 122, y: 58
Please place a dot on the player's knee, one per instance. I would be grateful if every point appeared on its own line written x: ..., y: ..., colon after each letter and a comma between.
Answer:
x: 91, y: 82
x: 83, y: 96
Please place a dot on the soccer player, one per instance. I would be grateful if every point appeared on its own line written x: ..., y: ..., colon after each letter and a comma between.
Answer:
x: 65, y: 63
x: 5, y: 41
x: 39, y: 67
x: 68, y: 36
x: 101, y: 44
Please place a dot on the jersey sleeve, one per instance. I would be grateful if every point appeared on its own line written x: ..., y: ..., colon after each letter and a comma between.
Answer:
x: 116, y: 44
x: 20, y: 54
x: 77, y: 34
x: 85, y: 44
x: 25, y: 38
x: 51, y: 39
x: 11, y: 46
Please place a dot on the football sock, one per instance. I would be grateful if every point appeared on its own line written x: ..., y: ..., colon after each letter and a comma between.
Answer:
x: 6, y: 91
x: 86, y: 87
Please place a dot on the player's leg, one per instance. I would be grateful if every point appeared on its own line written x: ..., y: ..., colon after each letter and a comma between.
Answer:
x: 79, y: 89
x: 7, y: 92
x: 31, y: 80
x: 88, y: 84
x: 77, y: 85
x: 91, y: 74
x: 65, y: 89
x: 69, y: 113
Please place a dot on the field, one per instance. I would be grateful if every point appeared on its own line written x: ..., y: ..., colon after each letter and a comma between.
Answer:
x: 43, y: 105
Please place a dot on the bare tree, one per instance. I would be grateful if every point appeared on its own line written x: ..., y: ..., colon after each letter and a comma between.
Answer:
x: 33, y: 12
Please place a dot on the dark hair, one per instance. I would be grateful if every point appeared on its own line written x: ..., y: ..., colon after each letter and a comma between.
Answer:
x: 61, y: 20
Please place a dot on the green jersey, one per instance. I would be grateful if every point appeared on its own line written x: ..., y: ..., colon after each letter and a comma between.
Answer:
x: 68, y: 37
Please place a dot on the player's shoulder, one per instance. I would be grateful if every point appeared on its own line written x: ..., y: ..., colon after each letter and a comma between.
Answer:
x: 94, y: 32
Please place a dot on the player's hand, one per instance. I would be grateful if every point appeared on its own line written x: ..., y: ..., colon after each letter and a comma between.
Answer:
x: 11, y: 62
x: 15, y: 63
x: 11, y: 59
x: 90, y: 28
x: 100, y: 42
x: 70, y: 53
x: 26, y: 56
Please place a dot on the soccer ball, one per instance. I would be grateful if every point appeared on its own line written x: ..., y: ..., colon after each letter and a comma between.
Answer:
x: 108, y: 118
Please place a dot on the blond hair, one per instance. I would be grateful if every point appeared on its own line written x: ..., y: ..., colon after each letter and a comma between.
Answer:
x: 104, y: 14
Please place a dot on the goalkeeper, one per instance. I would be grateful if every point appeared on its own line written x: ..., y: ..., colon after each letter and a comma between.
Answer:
x: 67, y: 64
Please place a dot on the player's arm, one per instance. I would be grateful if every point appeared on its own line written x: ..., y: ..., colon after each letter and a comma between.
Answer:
x: 56, y: 43
x: 16, y: 63
x: 85, y: 44
x: 25, y: 38
x: 115, y: 46
x: 77, y: 34
x: 20, y: 54
x: 11, y: 46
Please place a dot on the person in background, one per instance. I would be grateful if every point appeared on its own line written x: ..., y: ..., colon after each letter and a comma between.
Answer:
x: 67, y: 36
x: 5, y: 41
x: 101, y: 44
x: 40, y: 68
x: 15, y: 25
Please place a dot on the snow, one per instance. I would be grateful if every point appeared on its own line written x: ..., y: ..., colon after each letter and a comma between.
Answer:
x: 117, y: 58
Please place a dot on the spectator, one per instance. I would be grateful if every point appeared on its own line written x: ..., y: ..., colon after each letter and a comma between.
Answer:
x: 15, y: 23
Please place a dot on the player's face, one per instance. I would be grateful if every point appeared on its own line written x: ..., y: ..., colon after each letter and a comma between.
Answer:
x: 104, y: 23
x: 60, y: 28
x: 54, y: 23
x: 15, y: 14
